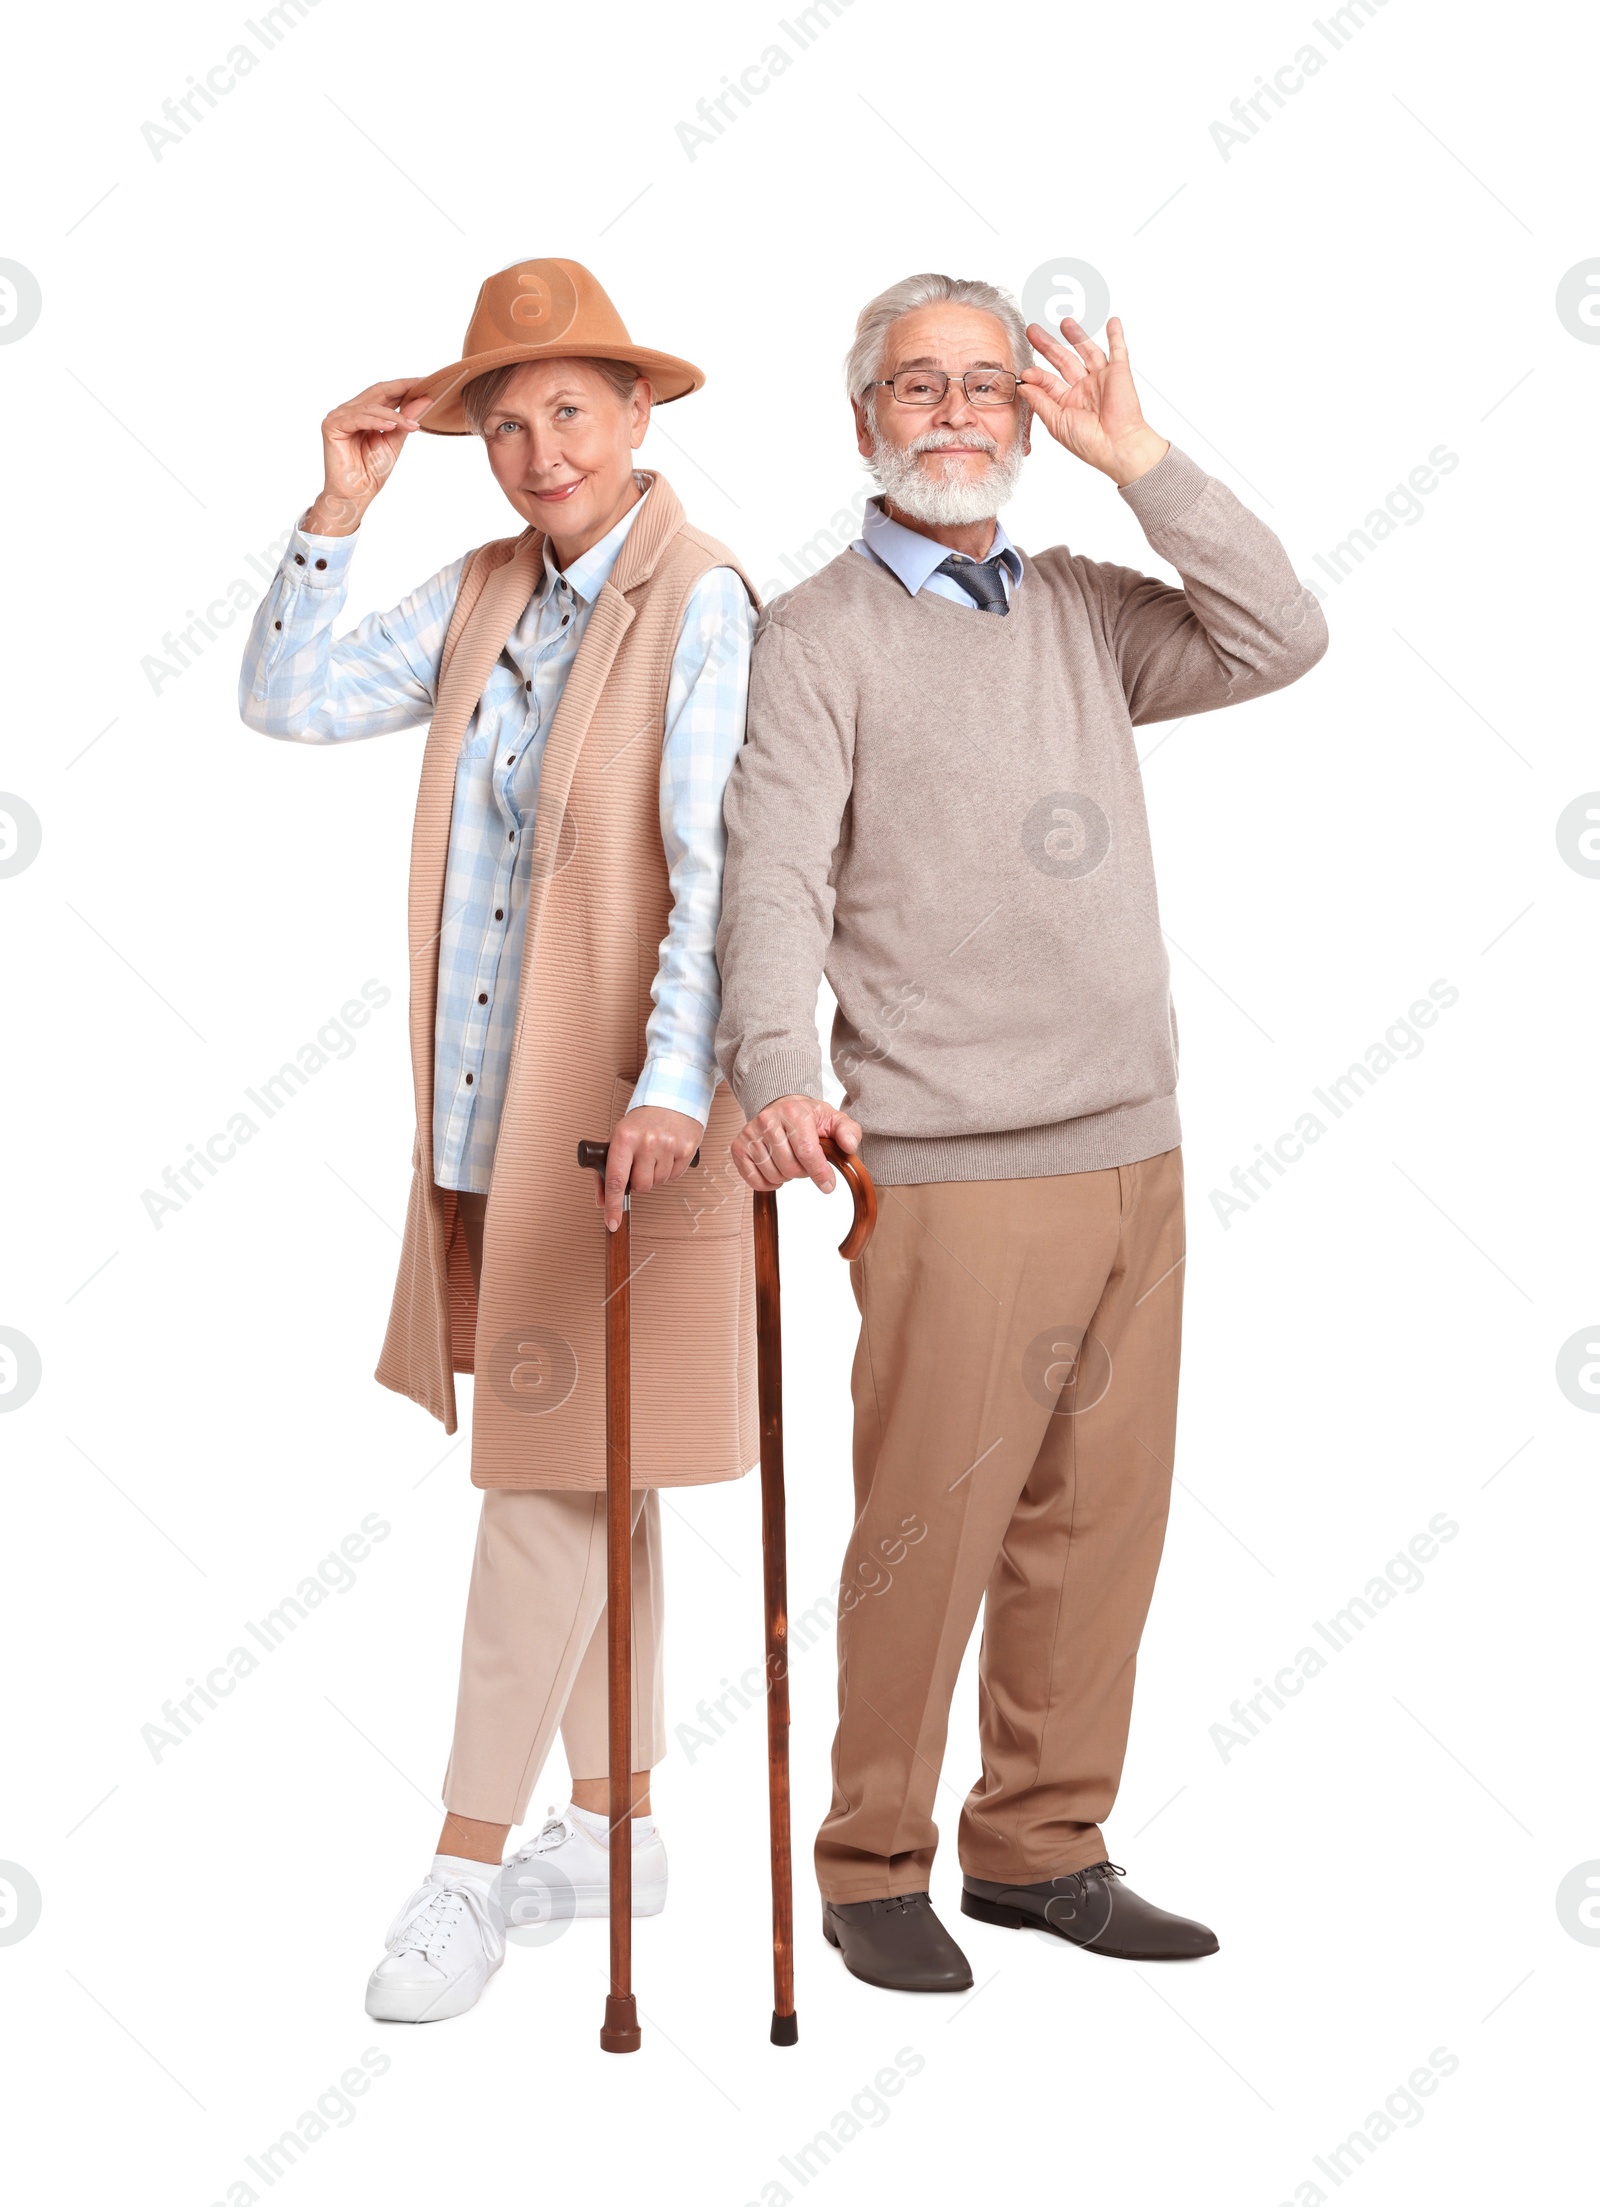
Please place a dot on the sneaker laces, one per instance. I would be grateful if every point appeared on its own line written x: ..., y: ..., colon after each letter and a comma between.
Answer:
x: 553, y: 1833
x: 436, y: 1905
x: 557, y: 1830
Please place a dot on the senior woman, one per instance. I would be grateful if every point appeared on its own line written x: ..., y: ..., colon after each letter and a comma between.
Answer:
x: 584, y: 684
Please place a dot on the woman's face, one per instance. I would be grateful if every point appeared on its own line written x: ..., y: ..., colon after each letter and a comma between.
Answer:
x: 561, y: 444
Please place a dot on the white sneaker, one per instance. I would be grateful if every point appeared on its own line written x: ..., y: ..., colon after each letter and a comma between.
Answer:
x: 564, y: 1870
x: 444, y: 1946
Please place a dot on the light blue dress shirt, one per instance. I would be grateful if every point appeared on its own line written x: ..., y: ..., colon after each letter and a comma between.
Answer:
x: 297, y: 683
x: 914, y: 557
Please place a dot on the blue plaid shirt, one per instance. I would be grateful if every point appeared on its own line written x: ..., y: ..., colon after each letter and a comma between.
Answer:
x: 296, y: 682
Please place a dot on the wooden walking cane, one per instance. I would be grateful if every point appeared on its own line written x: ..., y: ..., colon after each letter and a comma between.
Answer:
x: 619, y: 2034
x: 769, y: 1368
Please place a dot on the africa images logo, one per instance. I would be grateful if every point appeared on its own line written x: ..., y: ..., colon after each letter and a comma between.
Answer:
x: 20, y: 301
x: 542, y: 304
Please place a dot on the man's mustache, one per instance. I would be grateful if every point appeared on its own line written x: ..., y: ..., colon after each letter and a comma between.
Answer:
x: 953, y: 440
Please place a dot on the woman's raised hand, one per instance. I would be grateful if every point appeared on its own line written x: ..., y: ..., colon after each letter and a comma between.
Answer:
x: 361, y: 441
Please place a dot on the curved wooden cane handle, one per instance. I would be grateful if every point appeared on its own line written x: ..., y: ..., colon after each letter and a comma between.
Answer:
x: 862, y: 1192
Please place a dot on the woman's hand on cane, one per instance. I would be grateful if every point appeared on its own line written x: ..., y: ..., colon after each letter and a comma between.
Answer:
x: 784, y: 1142
x: 649, y: 1148
x: 361, y: 441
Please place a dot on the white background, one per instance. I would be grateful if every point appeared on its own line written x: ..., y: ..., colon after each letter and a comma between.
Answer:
x: 1371, y: 275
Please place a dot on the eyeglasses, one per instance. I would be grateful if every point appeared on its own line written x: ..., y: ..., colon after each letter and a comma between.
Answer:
x: 927, y: 386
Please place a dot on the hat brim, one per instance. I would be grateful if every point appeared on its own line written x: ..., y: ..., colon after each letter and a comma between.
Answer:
x: 669, y: 377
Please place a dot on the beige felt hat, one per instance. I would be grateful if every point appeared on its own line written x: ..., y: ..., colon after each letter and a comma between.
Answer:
x: 544, y: 310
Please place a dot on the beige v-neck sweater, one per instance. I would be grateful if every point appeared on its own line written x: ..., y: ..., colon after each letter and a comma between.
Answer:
x: 941, y: 808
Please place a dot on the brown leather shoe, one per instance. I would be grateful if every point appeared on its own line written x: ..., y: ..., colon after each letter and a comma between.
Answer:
x: 899, y: 1944
x: 1092, y: 1910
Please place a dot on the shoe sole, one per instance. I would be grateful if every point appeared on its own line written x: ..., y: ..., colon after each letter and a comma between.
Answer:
x: 883, y: 1984
x: 649, y: 1900
x: 1018, y: 1919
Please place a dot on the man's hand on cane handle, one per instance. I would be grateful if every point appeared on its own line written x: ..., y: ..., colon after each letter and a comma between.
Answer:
x: 784, y: 1142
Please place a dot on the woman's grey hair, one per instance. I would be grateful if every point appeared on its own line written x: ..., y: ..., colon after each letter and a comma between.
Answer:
x: 864, y: 361
x: 485, y: 392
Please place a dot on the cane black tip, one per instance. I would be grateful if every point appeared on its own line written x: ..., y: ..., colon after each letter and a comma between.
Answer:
x: 785, y: 2029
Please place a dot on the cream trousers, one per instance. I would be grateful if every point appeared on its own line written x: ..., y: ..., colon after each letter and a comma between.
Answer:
x: 533, y: 1650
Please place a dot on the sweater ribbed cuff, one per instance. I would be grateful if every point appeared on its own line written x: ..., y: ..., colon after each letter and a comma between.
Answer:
x: 762, y: 1080
x: 1165, y: 491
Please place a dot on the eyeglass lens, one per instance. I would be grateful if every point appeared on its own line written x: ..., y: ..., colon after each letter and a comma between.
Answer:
x: 927, y: 386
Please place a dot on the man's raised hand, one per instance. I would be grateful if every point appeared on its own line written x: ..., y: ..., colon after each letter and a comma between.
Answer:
x: 361, y: 441
x: 784, y: 1142
x: 1091, y: 406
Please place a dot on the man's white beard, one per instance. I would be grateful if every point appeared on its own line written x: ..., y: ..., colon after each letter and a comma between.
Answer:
x: 956, y: 500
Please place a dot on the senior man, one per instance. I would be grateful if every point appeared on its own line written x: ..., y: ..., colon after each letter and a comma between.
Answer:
x: 938, y: 804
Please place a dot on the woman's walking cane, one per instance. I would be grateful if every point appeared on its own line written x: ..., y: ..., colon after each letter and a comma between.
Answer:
x: 620, y: 2032
x: 769, y: 1367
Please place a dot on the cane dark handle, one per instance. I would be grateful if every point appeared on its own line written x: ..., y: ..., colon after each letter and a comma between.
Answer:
x: 592, y: 1156
x: 862, y: 1193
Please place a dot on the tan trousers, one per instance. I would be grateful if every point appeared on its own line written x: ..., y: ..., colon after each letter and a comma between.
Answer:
x: 1015, y: 1392
x: 533, y: 1650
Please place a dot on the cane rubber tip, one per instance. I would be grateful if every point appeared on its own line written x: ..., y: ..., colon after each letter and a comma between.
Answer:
x: 619, y: 2034
x: 785, y: 2029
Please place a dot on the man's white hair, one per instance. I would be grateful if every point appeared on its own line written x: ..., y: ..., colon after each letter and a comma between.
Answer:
x: 864, y: 361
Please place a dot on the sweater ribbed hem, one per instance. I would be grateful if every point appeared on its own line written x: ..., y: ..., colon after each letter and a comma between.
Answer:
x: 1091, y: 1144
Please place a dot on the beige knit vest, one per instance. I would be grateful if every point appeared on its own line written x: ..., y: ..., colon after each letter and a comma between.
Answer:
x: 599, y: 903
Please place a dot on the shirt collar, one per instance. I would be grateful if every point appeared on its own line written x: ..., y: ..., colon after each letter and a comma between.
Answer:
x: 914, y: 557
x: 588, y: 574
